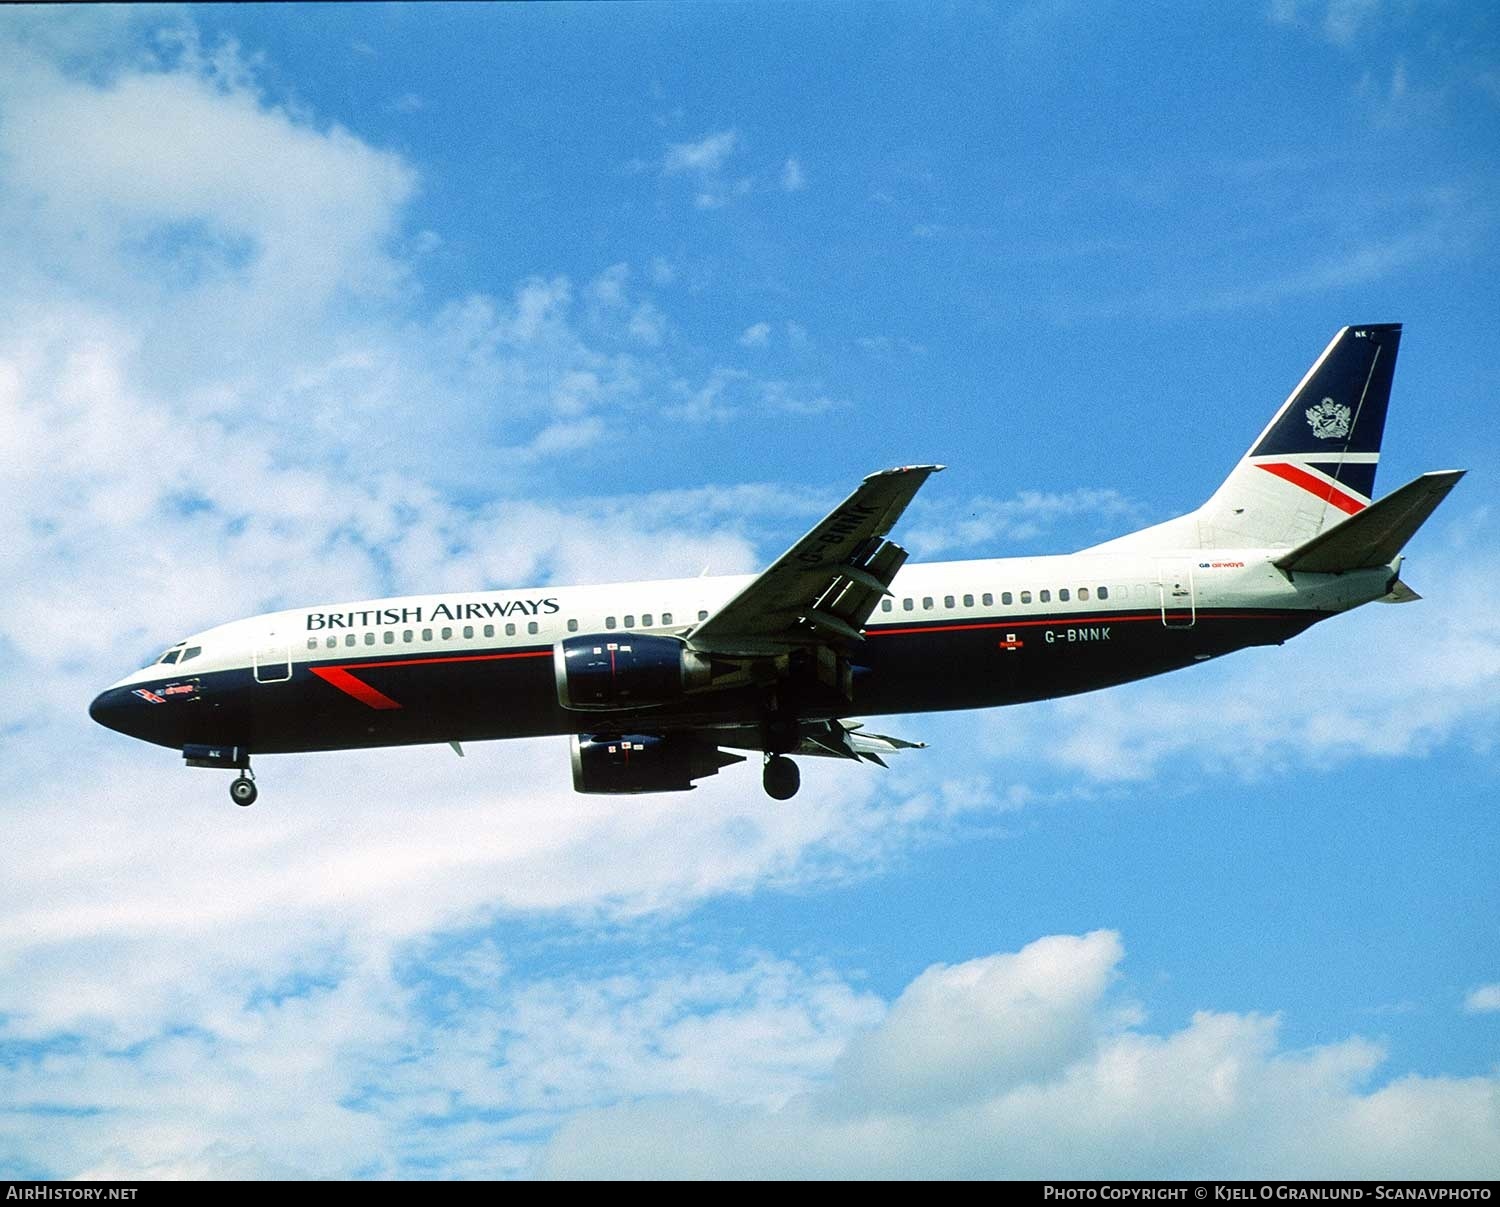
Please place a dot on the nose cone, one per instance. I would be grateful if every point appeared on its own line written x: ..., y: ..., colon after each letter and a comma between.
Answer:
x: 110, y: 709
x: 138, y: 713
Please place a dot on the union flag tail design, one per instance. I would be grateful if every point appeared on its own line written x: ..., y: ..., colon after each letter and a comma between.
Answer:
x: 1315, y: 463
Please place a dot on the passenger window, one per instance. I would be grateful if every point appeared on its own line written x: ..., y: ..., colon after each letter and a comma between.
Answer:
x: 1064, y: 595
x: 1006, y: 598
x: 369, y: 638
x: 987, y: 599
x: 630, y: 622
x: 447, y: 632
x: 333, y: 643
x: 609, y: 623
x: 1044, y: 596
x: 489, y: 630
x: 572, y: 625
x: 926, y: 603
x: 531, y: 626
x: 468, y: 632
x: 426, y: 634
x: 1025, y: 597
x: 666, y: 618
x: 906, y: 605
x: 1140, y: 591
x: 886, y: 605
x: 948, y: 601
x: 645, y: 621
x: 349, y: 640
x: 312, y: 643
x: 702, y: 615
x: 1103, y: 592
x: 1083, y: 594
x: 390, y: 637
x: 510, y: 630
x: 968, y: 601
x: 406, y: 634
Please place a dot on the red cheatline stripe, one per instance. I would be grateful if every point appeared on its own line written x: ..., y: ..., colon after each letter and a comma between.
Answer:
x: 360, y: 666
x: 340, y: 677
x: 1324, y: 490
x: 358, y: 688
x: 1153, y: 617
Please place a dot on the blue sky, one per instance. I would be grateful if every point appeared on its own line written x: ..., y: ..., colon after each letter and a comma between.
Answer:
x: 320, y: 303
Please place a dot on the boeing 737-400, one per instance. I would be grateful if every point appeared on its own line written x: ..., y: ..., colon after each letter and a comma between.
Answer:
x: 657, y: 682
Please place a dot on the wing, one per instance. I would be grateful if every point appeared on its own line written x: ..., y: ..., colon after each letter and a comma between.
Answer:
x: 823, y: 589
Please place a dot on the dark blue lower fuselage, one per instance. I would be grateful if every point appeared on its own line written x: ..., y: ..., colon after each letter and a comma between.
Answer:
x: 475, y: 694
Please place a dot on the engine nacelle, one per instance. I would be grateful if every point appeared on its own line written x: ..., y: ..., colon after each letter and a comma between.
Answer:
x: 644, y: 762
x: 605, y: 671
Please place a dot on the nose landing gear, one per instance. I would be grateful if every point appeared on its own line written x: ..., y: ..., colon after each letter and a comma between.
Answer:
x: 243, y: 791
x: 781, y: 778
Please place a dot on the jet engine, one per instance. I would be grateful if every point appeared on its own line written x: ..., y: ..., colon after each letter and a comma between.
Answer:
x: 644, y: 762
x: 599, y: 672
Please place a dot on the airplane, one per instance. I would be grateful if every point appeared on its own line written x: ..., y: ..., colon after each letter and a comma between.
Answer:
x: 659, y: 683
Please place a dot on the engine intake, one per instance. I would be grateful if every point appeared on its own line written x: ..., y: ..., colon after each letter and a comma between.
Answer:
x: 599, y: 672
x: 644, y: 762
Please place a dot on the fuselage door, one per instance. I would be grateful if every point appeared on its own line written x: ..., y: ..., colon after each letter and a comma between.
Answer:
x: 1179, y: 605
x: 273, y: 661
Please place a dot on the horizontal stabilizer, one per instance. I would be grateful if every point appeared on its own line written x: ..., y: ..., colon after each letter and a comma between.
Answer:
x: 1374, y: 536
x: 1399, y: 593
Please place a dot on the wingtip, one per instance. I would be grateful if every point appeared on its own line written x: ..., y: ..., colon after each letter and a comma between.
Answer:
x: 905, y: 469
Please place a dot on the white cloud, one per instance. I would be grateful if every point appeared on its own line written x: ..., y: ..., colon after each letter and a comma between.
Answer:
x: 702, y: 158
x: 1483, y: 1000
x: 757, y: 335
x: 160, y: 169
x: 1019, y: 1066
x: 712, y: 401
x: 703, y: 162
x: 793, y: 180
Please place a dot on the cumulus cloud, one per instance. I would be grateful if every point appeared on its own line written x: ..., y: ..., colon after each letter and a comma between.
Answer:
x: 1022, y: 1066
x: 1483, y: 1000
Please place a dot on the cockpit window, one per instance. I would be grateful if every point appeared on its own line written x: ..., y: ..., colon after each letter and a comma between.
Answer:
x: 170, y: 656
x: 191, y: 652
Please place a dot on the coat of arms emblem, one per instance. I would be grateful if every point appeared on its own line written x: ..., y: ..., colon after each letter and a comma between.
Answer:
x: 1329, y: 419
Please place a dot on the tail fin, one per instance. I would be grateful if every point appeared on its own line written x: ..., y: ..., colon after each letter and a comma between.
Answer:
x: 1315, y: 463
x: 1313, y: 466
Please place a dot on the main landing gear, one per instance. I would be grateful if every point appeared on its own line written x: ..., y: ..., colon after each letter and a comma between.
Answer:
x: 243, y: 791
x: 781, y: 777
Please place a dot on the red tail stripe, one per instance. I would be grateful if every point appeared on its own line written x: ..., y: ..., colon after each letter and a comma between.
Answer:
x: 1324, y: 490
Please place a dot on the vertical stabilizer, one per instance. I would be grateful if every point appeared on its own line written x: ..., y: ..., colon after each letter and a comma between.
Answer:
x: 1315, y: 463
x: 1313, y: 466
